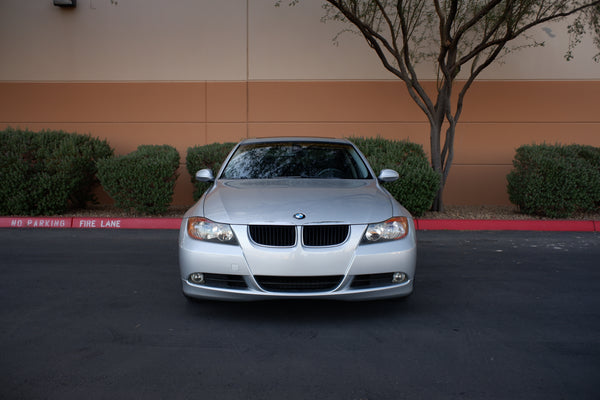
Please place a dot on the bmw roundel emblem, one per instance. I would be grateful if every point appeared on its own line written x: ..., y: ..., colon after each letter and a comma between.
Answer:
x: 299, y: 216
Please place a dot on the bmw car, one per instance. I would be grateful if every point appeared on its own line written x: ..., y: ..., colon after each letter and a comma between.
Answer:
x: 297, y: 218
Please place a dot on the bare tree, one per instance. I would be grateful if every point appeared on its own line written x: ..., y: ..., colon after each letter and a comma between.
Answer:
x: 454, y: 35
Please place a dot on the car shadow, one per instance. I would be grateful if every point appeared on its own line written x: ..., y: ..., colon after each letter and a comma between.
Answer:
x: 313, y: 311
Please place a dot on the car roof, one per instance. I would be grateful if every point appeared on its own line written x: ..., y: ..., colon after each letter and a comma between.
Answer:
x: 294, y: 139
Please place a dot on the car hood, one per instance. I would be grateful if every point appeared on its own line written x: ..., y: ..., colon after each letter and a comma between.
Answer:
x: 276, y: 201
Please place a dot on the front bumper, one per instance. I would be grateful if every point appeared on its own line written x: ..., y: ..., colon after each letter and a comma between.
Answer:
x: 251, y: 294
x: 349, y: 261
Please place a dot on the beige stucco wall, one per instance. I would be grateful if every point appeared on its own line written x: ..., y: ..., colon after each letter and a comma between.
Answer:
x: 209, y: 40
x: 499, y: 117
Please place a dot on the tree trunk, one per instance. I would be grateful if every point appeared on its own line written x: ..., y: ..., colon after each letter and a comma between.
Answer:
x: 436, y: 161
x: 442, y: 155
x: 438, y: 203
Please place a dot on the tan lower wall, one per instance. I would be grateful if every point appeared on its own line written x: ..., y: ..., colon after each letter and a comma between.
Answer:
x: 498, y: 117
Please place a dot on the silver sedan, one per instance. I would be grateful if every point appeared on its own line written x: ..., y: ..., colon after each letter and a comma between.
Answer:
x: 297, y: 218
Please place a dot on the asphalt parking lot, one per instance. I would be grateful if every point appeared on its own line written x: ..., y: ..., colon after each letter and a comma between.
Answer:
x: 99, y: 314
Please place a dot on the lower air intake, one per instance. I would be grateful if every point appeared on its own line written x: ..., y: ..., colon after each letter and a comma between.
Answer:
x: 298, y: 284
x: 225, y: 281
x: 371, y: 281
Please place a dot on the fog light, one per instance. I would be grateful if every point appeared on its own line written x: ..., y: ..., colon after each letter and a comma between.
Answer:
x: 399, y: 277
x: 197, y: 278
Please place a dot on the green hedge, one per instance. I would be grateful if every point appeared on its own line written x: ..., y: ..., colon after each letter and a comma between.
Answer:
x: 47, y: 172
x: 143, y: 180
x: 208, y: 156
x: 555, y: 180
x: 418, y: 184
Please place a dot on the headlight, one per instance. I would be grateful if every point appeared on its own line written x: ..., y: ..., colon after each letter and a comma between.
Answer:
x: 392, y: 229
x: 205, y: 229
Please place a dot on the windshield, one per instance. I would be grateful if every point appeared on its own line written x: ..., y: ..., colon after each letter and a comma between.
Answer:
x: 296, y: 160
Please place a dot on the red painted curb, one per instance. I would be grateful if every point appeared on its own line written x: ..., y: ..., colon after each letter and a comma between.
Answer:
x: 35, y: 222
x: 127, y: 223
x: 420, y: 224
x: 92, y: 223
x: 506, y: 225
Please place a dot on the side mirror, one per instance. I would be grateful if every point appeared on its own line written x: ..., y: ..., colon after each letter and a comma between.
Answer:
x: 388, y: 175
x: 205, y: 175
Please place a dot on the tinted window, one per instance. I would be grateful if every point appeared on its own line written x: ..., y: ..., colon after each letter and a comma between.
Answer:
x: 295, y: 160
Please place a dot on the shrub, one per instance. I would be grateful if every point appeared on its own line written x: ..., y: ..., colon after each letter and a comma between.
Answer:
x: 418, y: 184
x: 555, y: 180
x: 143, y: 180
x: 209, y: 156
x: 47, y: 172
